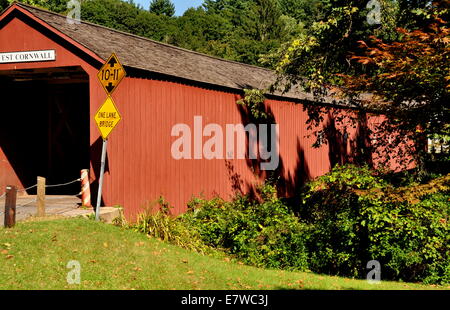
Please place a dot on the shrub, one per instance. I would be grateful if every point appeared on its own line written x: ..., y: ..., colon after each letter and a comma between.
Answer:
x: 346, y: 218
x: 261, y: 233
x: 412, y: 239
x: 157, y: 221
x: 353, y: 215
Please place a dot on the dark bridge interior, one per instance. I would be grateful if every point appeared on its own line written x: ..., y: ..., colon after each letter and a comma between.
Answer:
x: 44, y: 129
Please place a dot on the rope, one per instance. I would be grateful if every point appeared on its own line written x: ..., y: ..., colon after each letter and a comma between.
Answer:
x: 46, y: 198
x: 52, y: 185
x: 25, y: 189
x: 64, y: 184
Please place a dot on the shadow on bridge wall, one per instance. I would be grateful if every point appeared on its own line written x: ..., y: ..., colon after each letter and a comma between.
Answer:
x: 343, y: 147
x: 96, y: 155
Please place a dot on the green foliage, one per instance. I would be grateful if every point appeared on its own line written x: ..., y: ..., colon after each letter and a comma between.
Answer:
x: 353, y: 215
x: 333, y: 29
x: 411, y: 240
x: 256, y: 28
x: 348, y: 217
x: 331, y: 212
x: 349, y: 176
x: 162, y: 7
x: 405, y: 69
x: 412, y: 77
x: 59, y: 6
x: 264, y: 20
x: 260, y: 233
x: 254, y: 101
x: 3, y: 4
x: 241, y: 31
x: 264, y: 234
x: 126, y: 16
x: 91, y: 216
x: 156, y: 221
x: 112, y: 258
x: 203, y: 32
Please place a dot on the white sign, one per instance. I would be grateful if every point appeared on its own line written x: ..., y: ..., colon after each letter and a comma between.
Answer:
x: 29, y: 56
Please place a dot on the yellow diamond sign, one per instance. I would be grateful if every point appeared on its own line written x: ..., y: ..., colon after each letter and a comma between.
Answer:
x: 107, y: 117
x: 111, y: 74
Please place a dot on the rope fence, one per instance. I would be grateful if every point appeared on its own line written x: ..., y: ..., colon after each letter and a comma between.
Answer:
x: 64, y: 184
x: 46, y: 198
x: 39, y: 201
x: 25, y: 189
x: 47, y: 186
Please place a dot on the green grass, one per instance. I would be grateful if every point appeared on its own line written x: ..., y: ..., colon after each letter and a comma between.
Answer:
x: 34, y: 255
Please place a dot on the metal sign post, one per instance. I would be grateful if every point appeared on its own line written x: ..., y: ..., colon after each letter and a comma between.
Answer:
x: 107, y: 117
x: 100, y: 182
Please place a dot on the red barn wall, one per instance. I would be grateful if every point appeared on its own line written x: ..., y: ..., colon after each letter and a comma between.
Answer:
x: 141, y: 167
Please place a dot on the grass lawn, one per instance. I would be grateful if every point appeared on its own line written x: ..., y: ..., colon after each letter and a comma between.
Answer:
x: 34, y: 255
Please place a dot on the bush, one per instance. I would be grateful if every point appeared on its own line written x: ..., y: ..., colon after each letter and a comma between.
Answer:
x: 411, y: 239
x: 157, y: 221
x: 261, y: 233
x: 346, y: 218
x: 353, y: 215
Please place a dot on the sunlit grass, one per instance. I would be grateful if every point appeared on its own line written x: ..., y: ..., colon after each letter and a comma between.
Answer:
x: 34, y: 255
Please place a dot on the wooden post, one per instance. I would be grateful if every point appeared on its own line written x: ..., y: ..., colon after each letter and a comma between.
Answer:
x: 40, y: 199
x: 10, y: 206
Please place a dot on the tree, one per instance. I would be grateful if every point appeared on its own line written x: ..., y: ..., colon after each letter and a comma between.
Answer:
x: 202, y: 32
x: 110, y: 13
x: 3, y: 4
x: 128, y: 17
x: 313, y: 58
x: 305, y: 11
x: 266, y: 17
x: 162, y: 7
x: 257, y: 27
x: 406, y: 67
x: 59, y: 6
x: 410, y: 81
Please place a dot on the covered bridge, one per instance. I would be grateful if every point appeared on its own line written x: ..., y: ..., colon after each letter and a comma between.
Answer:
x: 49, y: 102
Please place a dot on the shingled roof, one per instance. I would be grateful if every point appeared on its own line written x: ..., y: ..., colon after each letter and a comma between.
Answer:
x: 143, y: 53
